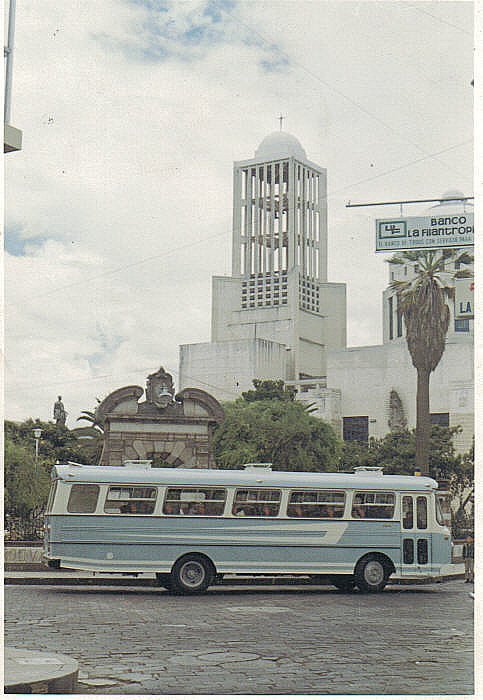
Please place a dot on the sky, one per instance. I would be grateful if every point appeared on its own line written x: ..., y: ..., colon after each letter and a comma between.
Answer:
x: 119, y: 205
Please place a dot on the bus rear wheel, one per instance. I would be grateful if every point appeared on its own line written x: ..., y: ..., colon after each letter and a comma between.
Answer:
x: 192, y: 573
x: 343, y: 583
x: 371, y: 574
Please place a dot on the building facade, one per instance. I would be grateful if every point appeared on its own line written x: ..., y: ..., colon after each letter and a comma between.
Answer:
x: 278, y: 317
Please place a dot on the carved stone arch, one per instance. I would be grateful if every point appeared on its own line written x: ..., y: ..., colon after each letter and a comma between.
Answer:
x: 126, y: 395
x: 191, y: 397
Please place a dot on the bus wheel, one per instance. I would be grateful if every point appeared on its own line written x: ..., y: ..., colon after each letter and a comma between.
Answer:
x: 343, y: 583
x: 192, y: 573
x: 164, y: 581
x: 371, y: 574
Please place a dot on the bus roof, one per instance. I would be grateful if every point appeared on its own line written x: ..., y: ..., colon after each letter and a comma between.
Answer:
x: 241, y: 477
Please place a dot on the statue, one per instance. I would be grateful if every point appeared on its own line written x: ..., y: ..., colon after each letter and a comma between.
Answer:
x: 397, y: 419
x: 60, y: 413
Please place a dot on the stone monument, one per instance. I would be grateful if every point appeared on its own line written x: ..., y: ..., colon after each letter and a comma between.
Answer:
x: 60, y: 414
x: 170, y: 429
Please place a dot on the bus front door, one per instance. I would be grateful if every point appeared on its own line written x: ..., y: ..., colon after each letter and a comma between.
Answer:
x: 415, y: 536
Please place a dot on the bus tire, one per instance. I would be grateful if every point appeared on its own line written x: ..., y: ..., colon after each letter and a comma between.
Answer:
x: 192, y: 573
x: 371, y: 574
x: 343, y: 583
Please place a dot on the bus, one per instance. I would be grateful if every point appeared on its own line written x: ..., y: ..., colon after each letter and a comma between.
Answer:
x: 190, y: 527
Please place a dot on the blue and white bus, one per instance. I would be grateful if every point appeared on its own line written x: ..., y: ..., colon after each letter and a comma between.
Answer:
x: 192, y: 526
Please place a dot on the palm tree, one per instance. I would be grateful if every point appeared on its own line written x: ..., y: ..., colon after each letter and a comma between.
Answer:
x: 422, y: 303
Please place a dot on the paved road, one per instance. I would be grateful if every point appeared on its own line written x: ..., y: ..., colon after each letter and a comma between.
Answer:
x: 407, y: 640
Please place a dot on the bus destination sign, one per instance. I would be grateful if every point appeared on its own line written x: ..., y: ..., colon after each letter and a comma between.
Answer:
x: 411, y: 232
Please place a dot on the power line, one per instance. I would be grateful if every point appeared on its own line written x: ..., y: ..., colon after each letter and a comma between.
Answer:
x: 218, y: 235
x: 84, y: 380
x: 439, y: 19
x: 336, y: 90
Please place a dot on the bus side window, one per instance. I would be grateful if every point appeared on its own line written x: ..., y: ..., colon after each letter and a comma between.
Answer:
x: 131, y: 500
x: 375, y: 505
x: 256, y: 503
x: 407, y: 512
x: 83, y: 498
x: 316, y: 504
x: 194, y: 501
x: 422, y: 512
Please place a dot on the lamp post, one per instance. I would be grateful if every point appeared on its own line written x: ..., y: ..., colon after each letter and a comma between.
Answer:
x: 37, y: 433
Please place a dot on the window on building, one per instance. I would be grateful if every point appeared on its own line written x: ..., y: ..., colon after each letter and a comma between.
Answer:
x: 131, y: 500
x: 370, y: 505
x: 391, y: 317
x: 256, y: 502
x: 440, y: 419
x: 194, y: 501
x: 83, y: 498
x: 316, y: 504
x: 461, y: 325
x: 356, y: 428
x: 399, y: 319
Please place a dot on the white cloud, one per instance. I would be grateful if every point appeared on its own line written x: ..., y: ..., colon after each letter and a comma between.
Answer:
x: 127, y: 157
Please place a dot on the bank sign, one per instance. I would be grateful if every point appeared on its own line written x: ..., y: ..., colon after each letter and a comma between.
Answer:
x: 411, y: 232
x: 464, y: 297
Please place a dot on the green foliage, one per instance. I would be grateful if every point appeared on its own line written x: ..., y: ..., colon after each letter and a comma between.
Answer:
x: 396, y: 453
x: 269, y: 389
x: 276, y: 430
x: 26, y: 486
x: 56, y: 442
x: 461, y: 486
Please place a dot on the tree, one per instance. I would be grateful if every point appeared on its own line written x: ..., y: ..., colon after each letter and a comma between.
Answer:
x: 396, y: 453
x: 422, y: 303
x: 462, y: 488
x: 26, y: 486
x: 275, y: 430
x: 269, y: 389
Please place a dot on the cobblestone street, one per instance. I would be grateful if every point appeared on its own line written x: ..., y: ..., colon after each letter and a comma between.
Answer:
x: 407, y: 640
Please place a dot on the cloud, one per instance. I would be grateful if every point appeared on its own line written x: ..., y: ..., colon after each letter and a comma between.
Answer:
x: 119, y: 204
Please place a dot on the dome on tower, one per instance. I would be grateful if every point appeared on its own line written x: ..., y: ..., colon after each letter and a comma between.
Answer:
x: 451, y: 201
x: 279, y: 144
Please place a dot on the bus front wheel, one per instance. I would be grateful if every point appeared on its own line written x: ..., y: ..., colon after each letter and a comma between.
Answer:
x: 193, y: 573
x: 371, y: 574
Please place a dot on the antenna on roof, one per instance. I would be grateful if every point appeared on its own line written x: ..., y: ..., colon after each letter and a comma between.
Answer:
x: 281, y: 118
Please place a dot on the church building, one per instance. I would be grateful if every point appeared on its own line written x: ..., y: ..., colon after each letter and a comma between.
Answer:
x: 278, y: 317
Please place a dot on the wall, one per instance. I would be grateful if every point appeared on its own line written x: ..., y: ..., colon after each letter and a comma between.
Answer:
x: 366, y: 375
x: 226, y: 369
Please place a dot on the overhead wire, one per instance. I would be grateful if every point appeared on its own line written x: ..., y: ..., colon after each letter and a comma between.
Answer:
x: 165, y: 253
x: 337, y: 91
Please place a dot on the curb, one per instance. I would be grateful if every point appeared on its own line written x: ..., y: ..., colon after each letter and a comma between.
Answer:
x: 59, y: 580
x: 32, y: 672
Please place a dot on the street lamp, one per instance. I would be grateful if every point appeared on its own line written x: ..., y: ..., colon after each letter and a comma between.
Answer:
x: 37, y: 433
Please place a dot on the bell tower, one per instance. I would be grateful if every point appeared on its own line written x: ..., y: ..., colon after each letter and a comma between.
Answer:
x: 276, y: 315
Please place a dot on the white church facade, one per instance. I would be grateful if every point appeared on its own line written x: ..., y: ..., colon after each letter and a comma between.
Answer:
x: 278, y: 317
